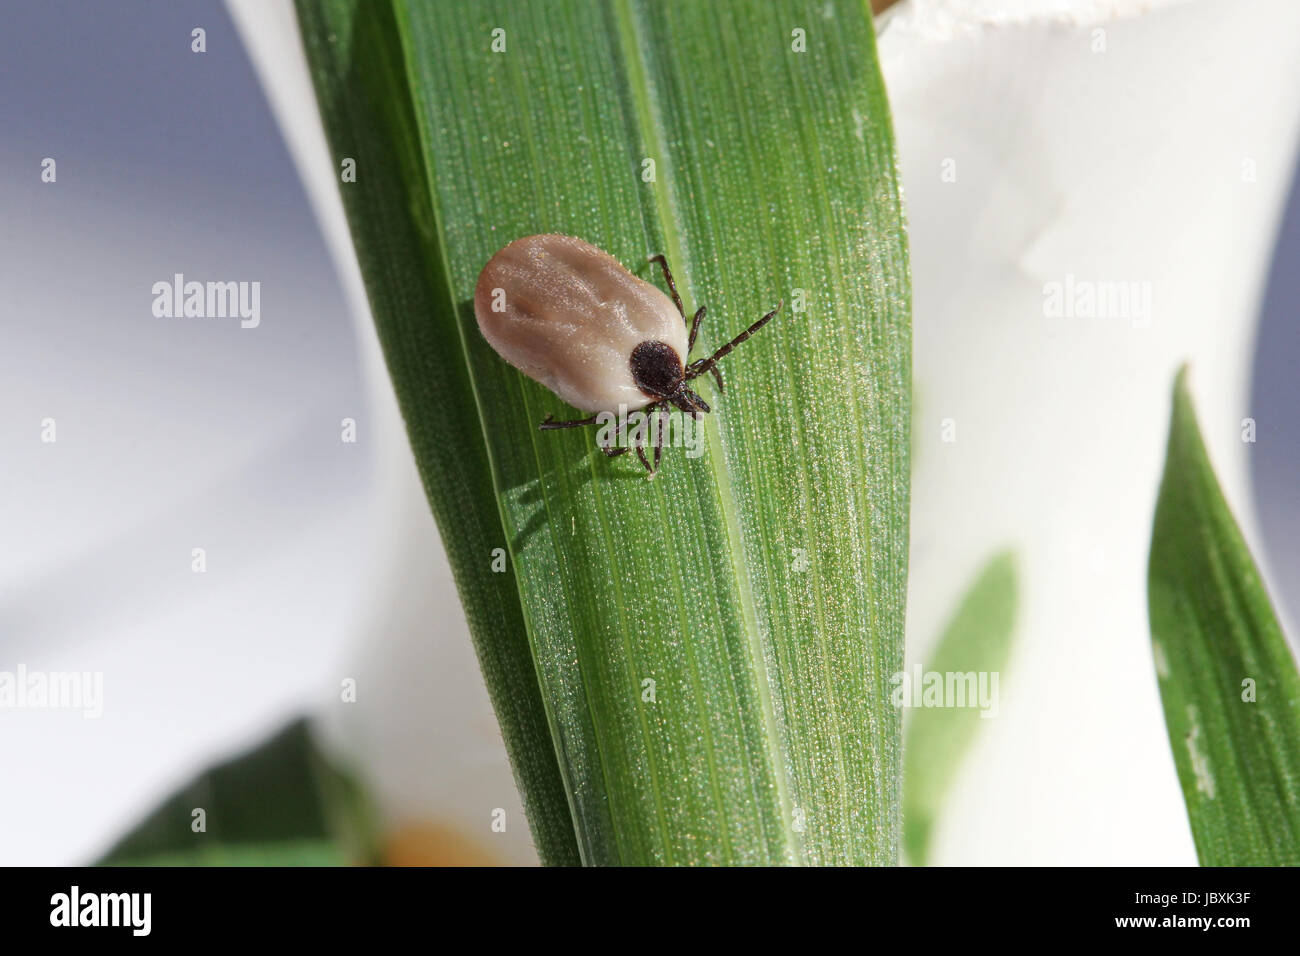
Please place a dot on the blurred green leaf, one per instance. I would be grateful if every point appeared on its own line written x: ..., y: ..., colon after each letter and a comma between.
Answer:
x: 977, y: 639
x: 1228, y: 681
x: 291, y: 853
x: 713, y: 649
x: 282, y: 804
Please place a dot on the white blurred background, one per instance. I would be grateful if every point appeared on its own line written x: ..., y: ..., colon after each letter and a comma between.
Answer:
x: 322, y: 563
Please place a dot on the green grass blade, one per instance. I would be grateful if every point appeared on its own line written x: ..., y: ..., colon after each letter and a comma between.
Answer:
x: 1228, y: 681
x: 977, y: 639
x: 713, y: 648
x: 361, y: 84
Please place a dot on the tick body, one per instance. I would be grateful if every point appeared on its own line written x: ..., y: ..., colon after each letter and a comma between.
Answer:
x: 571, y: 317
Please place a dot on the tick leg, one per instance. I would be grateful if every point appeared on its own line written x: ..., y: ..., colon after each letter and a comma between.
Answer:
x: 652, y: 413
x: 550, y: 423
x: 695, y: 329
x: 695, y: 322
x: 700, y: 366
x: 708, y: 364
x: 613, y: 451
x: 659, y: 442
x: 672, y: 286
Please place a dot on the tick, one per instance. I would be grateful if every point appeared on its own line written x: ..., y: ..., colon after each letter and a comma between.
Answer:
x: 569, y: 316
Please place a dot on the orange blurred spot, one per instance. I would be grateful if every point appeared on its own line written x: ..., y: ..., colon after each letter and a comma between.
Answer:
x: 430, y: 844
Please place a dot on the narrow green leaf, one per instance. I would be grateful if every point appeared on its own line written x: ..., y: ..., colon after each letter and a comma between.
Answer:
x: 713, y: 648
x: 976, y: 641
x: 1228, y: 681
x: 283, y: 803
x: 356, y: 63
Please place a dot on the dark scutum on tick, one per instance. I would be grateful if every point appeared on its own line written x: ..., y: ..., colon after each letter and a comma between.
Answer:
x: 658, y: 371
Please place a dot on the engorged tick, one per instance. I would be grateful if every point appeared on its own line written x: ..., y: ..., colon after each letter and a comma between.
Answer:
x: 571, y: 317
